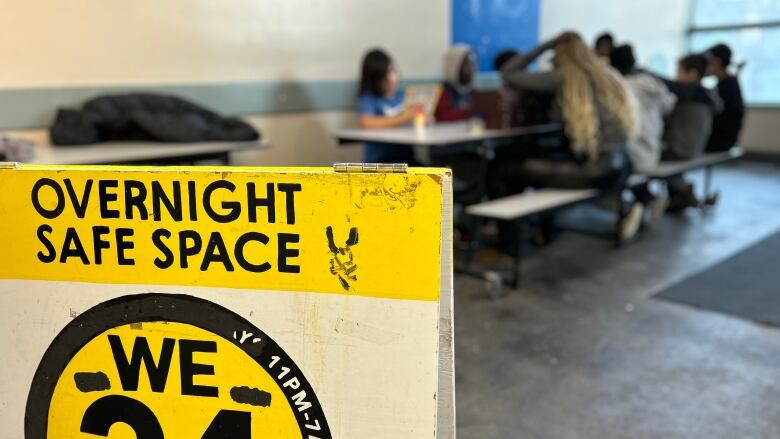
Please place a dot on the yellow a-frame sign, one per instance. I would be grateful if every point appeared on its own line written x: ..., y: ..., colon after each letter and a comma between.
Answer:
x: 225, y: 303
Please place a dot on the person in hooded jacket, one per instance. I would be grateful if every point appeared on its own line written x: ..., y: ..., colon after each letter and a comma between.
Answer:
x: 460, y: 65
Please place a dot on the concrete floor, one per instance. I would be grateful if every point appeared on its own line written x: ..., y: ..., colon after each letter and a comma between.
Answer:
x: 584, y: 351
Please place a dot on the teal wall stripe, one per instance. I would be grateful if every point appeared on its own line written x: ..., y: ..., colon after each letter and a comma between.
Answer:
x: 36, y: 107
x: 488, y: 81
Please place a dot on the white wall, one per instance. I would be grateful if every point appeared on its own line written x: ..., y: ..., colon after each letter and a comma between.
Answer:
x: 49, y: 43
x: 759, y: 134
x: 656, y: 28
x: 92, y: 42
x: 113, y: 42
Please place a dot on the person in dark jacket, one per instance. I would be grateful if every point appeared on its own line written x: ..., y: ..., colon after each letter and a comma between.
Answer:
x: 727, y: 124
x: 502, y: 57
x: 604, y: 45
x: 689, y: 126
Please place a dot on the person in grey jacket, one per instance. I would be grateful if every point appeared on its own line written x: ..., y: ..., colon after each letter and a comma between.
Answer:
x: 654, y: 103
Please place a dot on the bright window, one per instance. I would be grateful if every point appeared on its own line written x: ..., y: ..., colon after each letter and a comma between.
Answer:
x: 752, y: 29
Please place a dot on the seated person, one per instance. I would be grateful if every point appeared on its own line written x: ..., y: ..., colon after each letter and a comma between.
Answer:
x: 596, y: 111
x: 598, y: 117
x: 728, y: 123
x: 514, y: 107
x: 689, y: 126
x: 460, y: 65
x: 381, y: 105
x: 654, y: 102
x: 605, y: 43
x: 502, y: 57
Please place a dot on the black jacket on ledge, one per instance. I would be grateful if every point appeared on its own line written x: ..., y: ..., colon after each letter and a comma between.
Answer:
x: 145, y: 117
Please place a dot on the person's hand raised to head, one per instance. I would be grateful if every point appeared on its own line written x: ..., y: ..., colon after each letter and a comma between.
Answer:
x: 566, y: 36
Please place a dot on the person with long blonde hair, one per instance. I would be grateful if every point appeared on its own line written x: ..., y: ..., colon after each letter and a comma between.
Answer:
x: 598, y: 117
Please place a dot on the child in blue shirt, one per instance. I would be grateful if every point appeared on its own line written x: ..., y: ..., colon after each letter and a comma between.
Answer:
x: 381, y: 105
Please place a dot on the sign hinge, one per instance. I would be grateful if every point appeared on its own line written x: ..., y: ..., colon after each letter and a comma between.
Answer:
x: 10, y: 165
x: 393, y: 168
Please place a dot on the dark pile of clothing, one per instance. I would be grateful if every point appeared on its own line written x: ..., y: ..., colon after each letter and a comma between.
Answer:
x: 145, y: 117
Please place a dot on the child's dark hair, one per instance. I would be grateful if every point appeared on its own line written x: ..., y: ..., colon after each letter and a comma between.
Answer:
x: 695, y: 61
x: 502, y: 57
x: 606, y: 37
x: 622, y: 59
x: 376, y: 65
x: 722, y: 52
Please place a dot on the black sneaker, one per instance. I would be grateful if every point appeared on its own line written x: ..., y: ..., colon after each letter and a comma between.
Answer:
x: 682, y: 200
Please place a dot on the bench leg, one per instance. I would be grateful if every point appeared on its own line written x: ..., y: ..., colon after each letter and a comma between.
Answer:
x: 520, y: 227
x: 476, y: 226
x: 621, y: 216
x: 486, y: 154
x: 225, y: 158
x: 710, y: 197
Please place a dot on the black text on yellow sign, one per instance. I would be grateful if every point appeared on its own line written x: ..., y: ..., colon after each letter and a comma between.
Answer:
x: 294, y: 230
x: 169, y: 203
x: 194, y: 370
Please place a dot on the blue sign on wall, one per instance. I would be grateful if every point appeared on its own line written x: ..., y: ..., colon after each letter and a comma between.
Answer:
x: 490, y: 26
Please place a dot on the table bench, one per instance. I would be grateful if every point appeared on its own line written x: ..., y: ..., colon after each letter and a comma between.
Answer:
x: 707, y: 161
x: 515, y: 208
